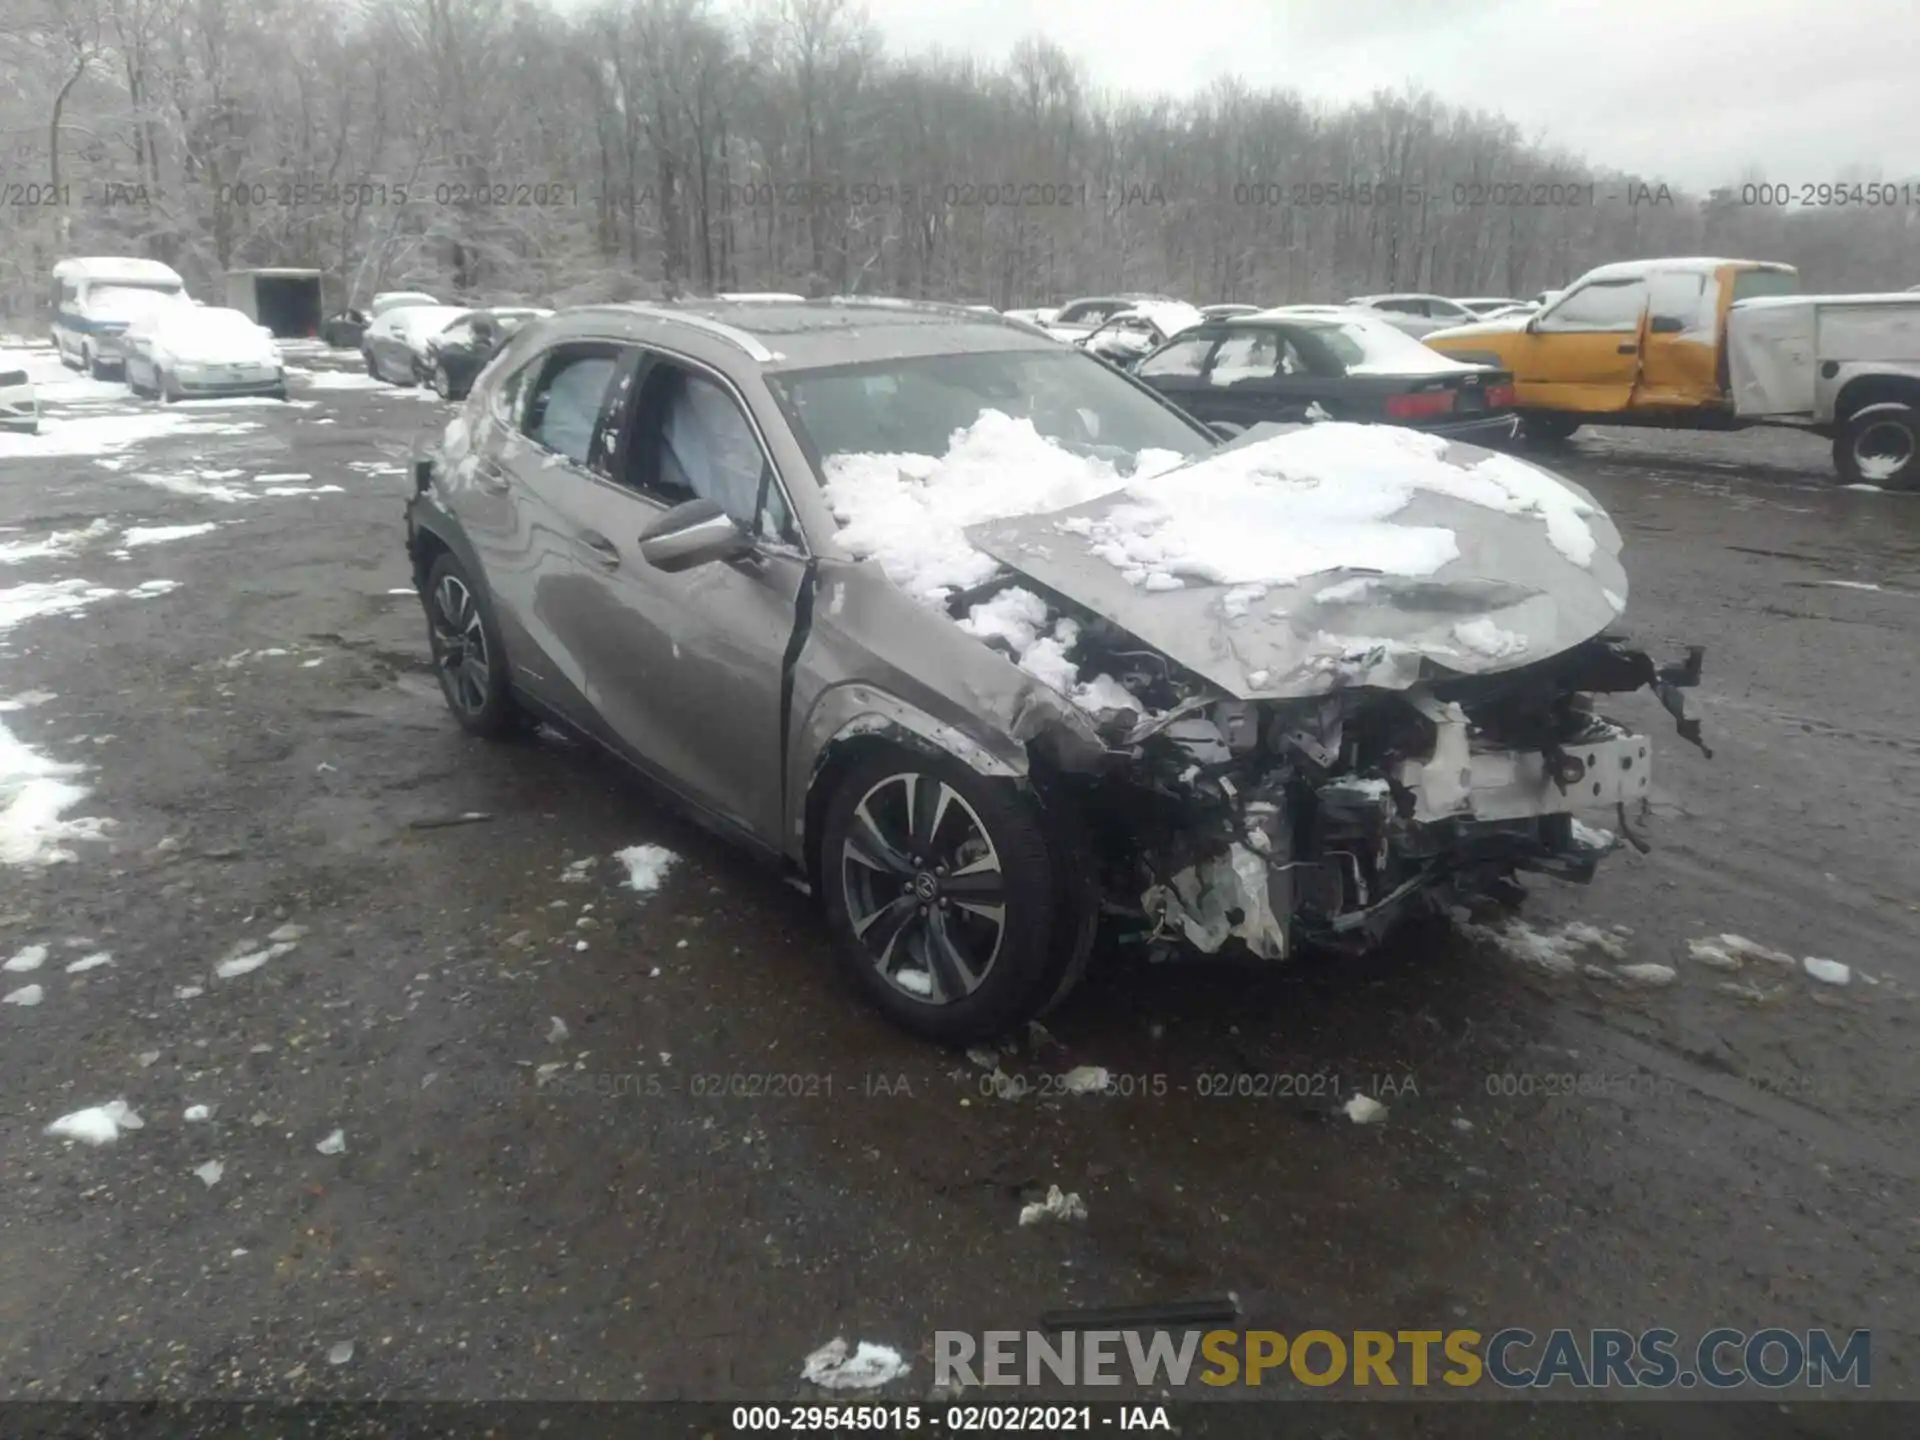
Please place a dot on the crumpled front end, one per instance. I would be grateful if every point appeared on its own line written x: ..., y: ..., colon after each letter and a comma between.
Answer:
x: 1235, y: 825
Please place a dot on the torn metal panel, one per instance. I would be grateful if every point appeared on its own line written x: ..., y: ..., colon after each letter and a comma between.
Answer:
x: 1217, y: 899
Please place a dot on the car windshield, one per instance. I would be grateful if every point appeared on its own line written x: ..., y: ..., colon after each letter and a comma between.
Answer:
x: 129, y: 302
x: 916, y: 406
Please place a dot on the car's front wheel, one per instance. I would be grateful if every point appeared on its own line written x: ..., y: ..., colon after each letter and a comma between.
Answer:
x: 373, y: 366
x: 467, y: 653
x: 943, y: 887
x: 442, y: 382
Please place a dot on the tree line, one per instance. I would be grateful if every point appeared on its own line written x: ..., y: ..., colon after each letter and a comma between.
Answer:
x: 504, y: 149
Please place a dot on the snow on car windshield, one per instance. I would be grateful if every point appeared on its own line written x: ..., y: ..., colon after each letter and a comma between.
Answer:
x: 1317, y: 499
x: 909, y: 511
x: 130, y: 302
x: 919, y: 406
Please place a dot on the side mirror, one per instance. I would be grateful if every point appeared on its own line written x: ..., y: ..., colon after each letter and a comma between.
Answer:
x: 697, y: 532
x: 1667, y: 325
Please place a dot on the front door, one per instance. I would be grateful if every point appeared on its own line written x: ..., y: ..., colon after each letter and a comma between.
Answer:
x: 684, y: 670
x: 1583, y: 353
x: 1261, y: 376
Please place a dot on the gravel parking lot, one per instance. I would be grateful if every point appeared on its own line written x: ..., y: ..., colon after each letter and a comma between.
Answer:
x: 511, y: 1127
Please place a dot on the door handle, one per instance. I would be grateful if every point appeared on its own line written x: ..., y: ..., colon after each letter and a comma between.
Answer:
x: 603, y: 549
x: 1628, y: 348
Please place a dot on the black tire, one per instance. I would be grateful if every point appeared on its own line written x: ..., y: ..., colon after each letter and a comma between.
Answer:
x: 442, y: 382
x: 373, y: 366
x: 1547, y: 429
x: 459, y: 622
x: 169, y: 387
x: 133, y: 385
x: 1880, y: 445
x: 994, y: 833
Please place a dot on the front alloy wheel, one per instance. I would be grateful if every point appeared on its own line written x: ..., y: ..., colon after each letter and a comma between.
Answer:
x: 442, y: 382
x: 944, y: 890
x: 924, y: 889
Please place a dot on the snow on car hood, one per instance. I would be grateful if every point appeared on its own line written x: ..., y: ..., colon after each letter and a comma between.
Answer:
x: 1306, y: 558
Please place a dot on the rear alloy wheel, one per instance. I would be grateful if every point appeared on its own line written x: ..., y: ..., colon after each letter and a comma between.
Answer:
x: 940, y: 888
x: 467, y: 654
x: 1880, y: 445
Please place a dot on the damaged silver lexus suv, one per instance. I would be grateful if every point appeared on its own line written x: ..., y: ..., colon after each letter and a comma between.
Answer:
x: 982, y: 640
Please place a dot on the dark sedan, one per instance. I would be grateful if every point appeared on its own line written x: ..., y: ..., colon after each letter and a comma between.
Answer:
x: 455, y: 357
x: 1288, y: 366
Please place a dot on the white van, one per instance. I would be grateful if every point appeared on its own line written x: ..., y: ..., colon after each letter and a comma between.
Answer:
x: 96, y: 297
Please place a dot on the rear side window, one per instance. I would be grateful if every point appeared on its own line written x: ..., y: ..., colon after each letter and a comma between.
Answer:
x: 1602, y: 305
x: 1254, y: 355
x: 1747, y: 284
x: 564, y: 409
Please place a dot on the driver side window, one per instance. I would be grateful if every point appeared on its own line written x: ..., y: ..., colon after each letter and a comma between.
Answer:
x: 1604, y: 305
x: 1181, y: 360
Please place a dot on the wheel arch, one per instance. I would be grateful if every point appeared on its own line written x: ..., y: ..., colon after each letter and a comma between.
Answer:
x: 1878, y: 388
x: 853, y: 721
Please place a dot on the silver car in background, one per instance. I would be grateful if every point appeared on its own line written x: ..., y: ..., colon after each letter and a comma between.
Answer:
x: 868, y: 588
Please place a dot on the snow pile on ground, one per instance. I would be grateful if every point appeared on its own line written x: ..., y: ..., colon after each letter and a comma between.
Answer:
x: 98, y: 1124
x: 647, y: 866
x: 1056, y: 1206
x: 1318, y: 499
x: 160, y: 534
x: 60, y: 542
x: 1729, y: 952
x: 1040, y: 644
x: 834, y: 1367
x: 35, y: 795
x: 909, y: 511
x: 111, y: 434
x: 1555, y: 951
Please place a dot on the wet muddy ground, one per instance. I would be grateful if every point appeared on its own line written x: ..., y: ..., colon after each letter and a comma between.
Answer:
x: 604, y: 1144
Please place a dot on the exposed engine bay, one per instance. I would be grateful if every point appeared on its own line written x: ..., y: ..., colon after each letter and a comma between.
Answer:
x: 1220, y: 822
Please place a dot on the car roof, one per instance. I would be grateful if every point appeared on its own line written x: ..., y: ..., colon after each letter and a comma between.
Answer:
x: 127, y: 268
x: 1689, y: 264
x: 812, y: 333
x: 1395, y: 295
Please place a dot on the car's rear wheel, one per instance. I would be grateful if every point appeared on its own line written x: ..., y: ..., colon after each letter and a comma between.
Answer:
x: 942, y: 888
x: 442, y: 382
x: 169, y: 387
x: 467, y: 653
x: 1880, y: 445
x: 1547, y: 429
x: 373, y: 366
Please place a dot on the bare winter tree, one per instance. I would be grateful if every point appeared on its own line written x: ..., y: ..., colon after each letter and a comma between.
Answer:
x: 500, y: 149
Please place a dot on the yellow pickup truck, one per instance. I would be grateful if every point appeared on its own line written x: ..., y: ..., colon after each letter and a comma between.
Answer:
x: 1661, y: 343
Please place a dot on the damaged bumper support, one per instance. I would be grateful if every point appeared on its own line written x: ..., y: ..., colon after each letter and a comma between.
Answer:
x: 1315, y: 842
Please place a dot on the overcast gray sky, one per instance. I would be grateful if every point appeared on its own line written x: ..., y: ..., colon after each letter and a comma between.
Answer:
x: 1695, y: 90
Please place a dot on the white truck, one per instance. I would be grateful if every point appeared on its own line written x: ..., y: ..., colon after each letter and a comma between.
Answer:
x: 1844, y: 366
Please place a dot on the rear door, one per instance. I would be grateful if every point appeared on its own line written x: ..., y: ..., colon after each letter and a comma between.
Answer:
x: 516, y: 497
x: 1583, y: 353
x: 1260, y: 375
x: 685, y: 669
x: 1178, y: 370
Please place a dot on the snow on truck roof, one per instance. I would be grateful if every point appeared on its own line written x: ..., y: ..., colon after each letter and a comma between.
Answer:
x: 1691, y: 264
x: 116, y: 267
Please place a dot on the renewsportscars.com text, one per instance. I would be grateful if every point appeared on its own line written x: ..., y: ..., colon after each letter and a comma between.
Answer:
x: 1514, y: 1359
